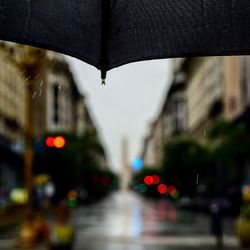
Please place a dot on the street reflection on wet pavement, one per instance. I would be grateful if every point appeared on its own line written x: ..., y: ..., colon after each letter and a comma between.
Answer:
x: 126, y: 220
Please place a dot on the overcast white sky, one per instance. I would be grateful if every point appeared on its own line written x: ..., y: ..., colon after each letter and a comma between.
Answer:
x: 126, y: 105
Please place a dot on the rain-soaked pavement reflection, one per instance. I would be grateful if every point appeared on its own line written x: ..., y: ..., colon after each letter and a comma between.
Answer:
x: 125, y: 220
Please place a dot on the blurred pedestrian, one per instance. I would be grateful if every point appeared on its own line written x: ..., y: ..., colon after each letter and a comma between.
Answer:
x: 216, y: 223
x: 62, y: 232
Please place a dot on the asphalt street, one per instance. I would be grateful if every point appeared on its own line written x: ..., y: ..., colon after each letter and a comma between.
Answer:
x: 125, y: 220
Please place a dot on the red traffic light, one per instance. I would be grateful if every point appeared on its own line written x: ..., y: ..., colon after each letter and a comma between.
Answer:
x: 57, y: 142
x: 156, y: 179
x: 162, y: 188
x: 49, y: 142
x: 148, y: 180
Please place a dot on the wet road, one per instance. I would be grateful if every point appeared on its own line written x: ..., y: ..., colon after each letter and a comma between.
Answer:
x: 128, y: 221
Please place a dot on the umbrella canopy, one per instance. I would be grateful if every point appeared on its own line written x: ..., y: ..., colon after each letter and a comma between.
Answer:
x: 110, y: 33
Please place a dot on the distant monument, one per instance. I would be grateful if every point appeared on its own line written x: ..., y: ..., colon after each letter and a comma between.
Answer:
x: 125, y: 172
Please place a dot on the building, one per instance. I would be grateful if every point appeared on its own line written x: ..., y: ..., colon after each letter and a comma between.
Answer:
x: 202, y: 89
x: 237, y: 86
x: 245, y: 80
x: 148, y: 152
x: 216, y: 87
x: 12, y: 117
x: 12, y: 96
x: 60, y: 97
x: 171, y: 122
x: 204, y: 92
x: 174, y: 109
x: 151, y: 153
x: 57, y: 106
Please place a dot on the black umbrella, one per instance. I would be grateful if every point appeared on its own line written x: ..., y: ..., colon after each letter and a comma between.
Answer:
x: 110, y: 33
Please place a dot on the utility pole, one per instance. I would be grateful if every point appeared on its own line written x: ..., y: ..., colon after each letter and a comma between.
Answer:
x: 31, y: 61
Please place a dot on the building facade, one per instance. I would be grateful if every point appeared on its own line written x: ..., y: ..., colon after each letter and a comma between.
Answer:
x: 12, y: 118
x: 148, y: 152
x: 57, y: 106
x: 171, y: 122
x: 12, y: 96
x: 202, y: 90
x: 205, y: 91
x: 60, y: 99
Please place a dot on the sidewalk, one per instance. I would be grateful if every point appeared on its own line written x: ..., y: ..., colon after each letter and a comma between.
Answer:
x: 10, y: 244
x: 10, y: 219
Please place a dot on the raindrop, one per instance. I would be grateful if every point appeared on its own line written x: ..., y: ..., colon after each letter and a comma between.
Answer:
x: 34, y: 95
x: 27, y: 79
x: 197, y: 179
x: 40, y: 92
x: 36, y: 77
x: 28, y: 83
x: 59, y: 87
x: 41, y: 83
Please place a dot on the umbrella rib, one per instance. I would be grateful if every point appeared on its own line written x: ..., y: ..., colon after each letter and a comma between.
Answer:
x: 105, y: 21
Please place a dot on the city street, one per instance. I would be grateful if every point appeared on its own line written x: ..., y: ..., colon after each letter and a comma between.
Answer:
x: 172, y: 124
x: 128, y: 221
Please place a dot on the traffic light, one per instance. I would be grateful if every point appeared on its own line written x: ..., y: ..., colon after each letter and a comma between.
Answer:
x: 148, y: 180
x: 55, y: 142
x: 162, y: 188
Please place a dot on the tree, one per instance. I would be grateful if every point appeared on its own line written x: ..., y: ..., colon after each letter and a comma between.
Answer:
x: 184, y: 161
x: 229, y: 147
x: 76, y: 164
